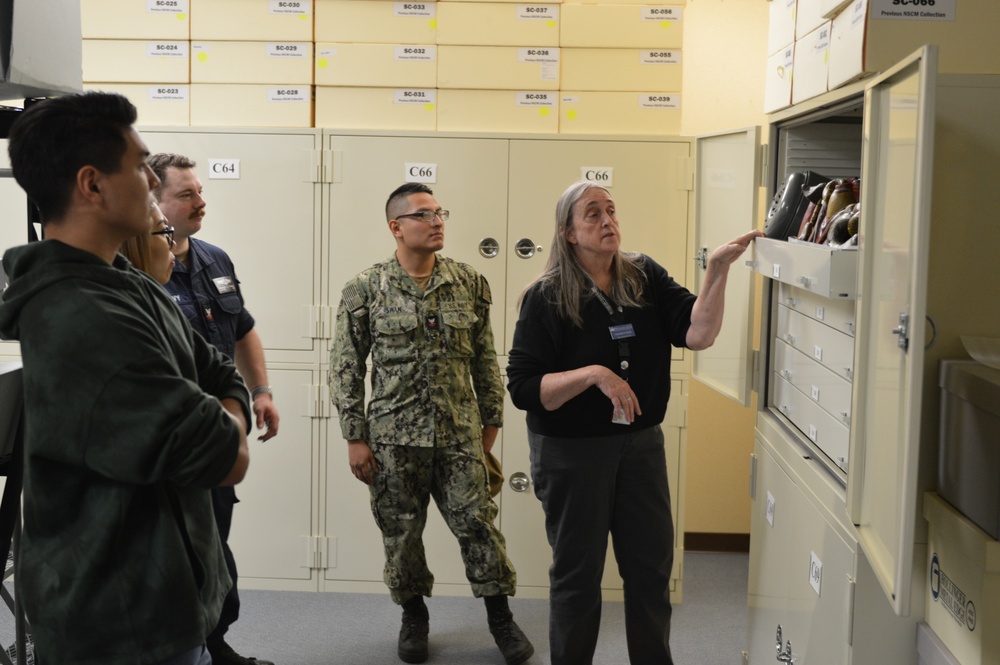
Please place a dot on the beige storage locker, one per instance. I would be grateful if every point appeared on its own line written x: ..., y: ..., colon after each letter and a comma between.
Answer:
x: 622, y: 26
x: 134, y: 19
x: 583, y: 112
x: 963, y: 598
x: 376, y: 21
x: 778, y: 80
x: 136, y: 61
x: 376, y: 108
x: 288, y: 20
x: 498, y: 111
x: 781, y: 25
x: 285, y: 63
x: 811, y: 64
x: 164, y: 104
x: 498, y: 67
x: 376, y: 65
x: 621, y: 70
x: 237, y: 105
x: 862, y: 43
x: 498, y: 24
x: 808, y: 17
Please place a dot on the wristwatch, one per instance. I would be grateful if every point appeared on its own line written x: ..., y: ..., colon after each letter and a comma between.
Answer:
x: 260, y: 390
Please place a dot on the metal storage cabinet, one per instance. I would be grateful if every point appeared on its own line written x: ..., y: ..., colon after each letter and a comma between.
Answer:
x: 846, y: 373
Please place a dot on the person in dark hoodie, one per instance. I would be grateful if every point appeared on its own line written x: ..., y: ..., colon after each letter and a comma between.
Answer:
x: 130, y: 418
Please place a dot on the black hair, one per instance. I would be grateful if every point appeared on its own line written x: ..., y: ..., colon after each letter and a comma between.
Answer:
x: 402, y: 192
x: 51, y: 141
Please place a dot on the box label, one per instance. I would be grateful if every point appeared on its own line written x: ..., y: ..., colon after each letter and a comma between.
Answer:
x: 168, y: 93
x: 298, y: 50
x: 599, y: 175
x: 660, y: 57
x: 537, y: 12
x: 417, y: 172
x: 914, y: 10
x: 290, y: 7
x: 426, y: 9
x: 283, y: 95
x: 548, y: 56
x: 946, y: 592
x: 415, y: 96
x: 223, y: 169
x: 661, y: 13
x: 659, y: 101
x: 547, y: 99
x: 167, y: 6
x: 167, y: 49
x: 415, y: 53
x: 815, y: 572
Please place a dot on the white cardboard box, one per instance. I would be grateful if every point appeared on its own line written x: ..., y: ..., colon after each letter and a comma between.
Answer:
x: 622, y: 26
x: 376, y: 65
x: 235, y: 105
x: 498, y: 111
x: 498, y: 67
x: 376, y: 108
x: 811, y: 57
x: 376, y: 22
x: 963, y: 596
x: 778, y: 79
x: 136, y: 61
x: 621, y: 69
x: 134, y: 19
x: 584, y: 112
x: 285, y: 63
x: 245, y: 20
x: 498, y: 24
x: 157, y: 104
x: 781, y: 25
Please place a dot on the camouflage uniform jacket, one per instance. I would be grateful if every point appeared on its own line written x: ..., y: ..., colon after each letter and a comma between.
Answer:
x: 435, y: 378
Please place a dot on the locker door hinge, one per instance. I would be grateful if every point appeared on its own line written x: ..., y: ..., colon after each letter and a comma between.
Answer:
x: 762, y: 159
x: 755, y: 370
x: 685, y: 173
x: 321, y: 321
x: 319, y: 401
x: 317, y: 551
x: 851, y: 589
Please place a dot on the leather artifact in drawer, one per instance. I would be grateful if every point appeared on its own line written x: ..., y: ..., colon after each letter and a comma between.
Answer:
x: 836, y: 313
x: 832, y: 437
x: 830, y: 391
x: 830, y: 348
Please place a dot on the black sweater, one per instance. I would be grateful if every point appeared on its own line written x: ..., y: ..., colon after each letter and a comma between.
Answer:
x: 545, y: 343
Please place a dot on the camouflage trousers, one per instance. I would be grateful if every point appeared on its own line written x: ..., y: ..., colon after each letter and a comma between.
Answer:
x: 456, y: 477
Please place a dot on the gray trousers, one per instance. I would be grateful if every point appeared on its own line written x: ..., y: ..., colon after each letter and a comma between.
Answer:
x: 588, y: 489
x: 196, y: 656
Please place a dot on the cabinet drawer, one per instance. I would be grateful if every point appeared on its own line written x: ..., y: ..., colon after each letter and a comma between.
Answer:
x: 829, y: 272
x: 838, y: 314
x: 830, y: 391
x: 828, y: 347
x: 830, y: 436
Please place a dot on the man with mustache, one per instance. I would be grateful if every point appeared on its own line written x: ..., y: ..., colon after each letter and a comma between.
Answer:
x: 205, y: 286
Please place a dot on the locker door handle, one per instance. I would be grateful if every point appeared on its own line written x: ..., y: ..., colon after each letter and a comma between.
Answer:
x: 526, y: 248
x: 489, y: 248
x: 519, y: 482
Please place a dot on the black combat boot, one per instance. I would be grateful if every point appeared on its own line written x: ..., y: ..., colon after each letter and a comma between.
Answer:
x: 413, y: 633
x: 513, y: 643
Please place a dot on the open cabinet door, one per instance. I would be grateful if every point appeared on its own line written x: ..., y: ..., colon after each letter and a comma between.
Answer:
x: 725, y: 191
x: 895, y: 224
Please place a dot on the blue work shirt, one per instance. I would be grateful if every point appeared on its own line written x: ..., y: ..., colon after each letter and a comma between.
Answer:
x: 209, y: 295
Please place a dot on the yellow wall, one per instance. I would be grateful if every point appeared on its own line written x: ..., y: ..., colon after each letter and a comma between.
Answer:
x: 725, y: 44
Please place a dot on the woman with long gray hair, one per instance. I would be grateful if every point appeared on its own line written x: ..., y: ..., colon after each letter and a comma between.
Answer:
x: 590, y: 364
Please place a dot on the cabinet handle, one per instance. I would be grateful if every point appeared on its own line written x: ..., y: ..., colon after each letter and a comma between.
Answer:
x: 804, y: 281
x: 525, y: 248
x: 790, y: 338
x: 787, y: 373
x: 489, y: 248
x: 519, y: 481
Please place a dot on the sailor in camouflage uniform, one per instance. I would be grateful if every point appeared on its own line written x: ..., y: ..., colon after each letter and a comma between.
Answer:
x: 436, y: 406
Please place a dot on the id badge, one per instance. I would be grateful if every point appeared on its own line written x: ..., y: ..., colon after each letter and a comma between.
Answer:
x: 622, y: 331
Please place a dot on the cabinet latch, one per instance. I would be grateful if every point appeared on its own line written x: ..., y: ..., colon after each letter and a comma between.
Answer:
x: 903, y: 331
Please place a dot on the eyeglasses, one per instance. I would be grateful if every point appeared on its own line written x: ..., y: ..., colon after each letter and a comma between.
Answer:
x: 166, y: 231
x: 428, y: 215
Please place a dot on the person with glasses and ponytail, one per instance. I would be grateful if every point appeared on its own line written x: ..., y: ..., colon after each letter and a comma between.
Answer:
x: 151, y: 252
x: 435, y: 409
